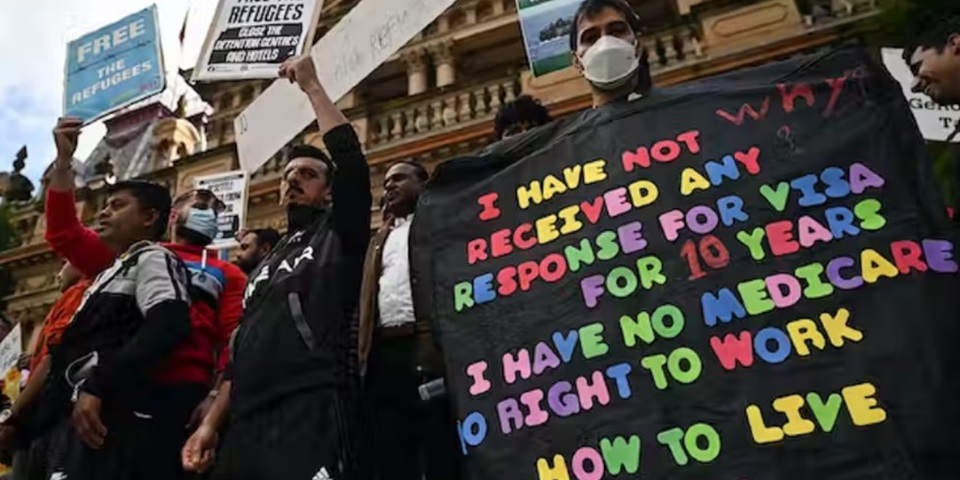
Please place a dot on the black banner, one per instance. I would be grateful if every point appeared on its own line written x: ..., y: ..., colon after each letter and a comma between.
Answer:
x: 748, y: 278
x: 256, y: 44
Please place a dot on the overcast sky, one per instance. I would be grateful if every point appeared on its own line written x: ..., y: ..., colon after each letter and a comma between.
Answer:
x: 33, y: 39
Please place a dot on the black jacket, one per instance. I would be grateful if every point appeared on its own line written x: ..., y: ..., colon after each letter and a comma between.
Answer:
x: 301, y: 302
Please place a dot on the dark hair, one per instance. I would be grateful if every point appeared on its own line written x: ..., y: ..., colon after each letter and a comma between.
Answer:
x: 419, y: 169
x: 590, y: 8
x: 150, y: 196
x: 525, y: 109
x: 266, y: 236
x: 309, y: 151
x: 930, y: 28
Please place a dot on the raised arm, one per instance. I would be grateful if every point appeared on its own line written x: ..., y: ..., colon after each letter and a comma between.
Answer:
x: 351, y: 186
x: 65, y: 234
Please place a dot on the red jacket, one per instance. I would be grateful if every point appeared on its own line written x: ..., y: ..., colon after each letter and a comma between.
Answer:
x: 217, y: 292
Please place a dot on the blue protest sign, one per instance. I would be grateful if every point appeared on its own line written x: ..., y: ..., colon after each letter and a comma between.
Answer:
x: 114, y: 66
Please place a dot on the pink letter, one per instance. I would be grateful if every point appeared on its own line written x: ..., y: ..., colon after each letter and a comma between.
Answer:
x: 480, y: 383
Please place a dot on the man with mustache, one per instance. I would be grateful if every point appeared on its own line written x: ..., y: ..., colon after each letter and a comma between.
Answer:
x: 291, y: 378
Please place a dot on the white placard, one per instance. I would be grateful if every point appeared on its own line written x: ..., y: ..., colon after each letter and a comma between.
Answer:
x: 249, y: 40
x: 10, y: 349
x: 365, y: 38
x: 936, y: 122
x: 231, y: 189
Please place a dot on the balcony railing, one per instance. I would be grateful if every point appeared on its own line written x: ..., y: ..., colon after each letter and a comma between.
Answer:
x: 446, y: 111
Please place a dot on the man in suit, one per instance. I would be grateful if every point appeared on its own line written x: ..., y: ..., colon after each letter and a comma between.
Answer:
x: 397, y: 349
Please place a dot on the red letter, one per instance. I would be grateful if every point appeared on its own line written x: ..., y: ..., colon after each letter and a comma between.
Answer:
x: 802, y: 90
x: 476, y: 251
x: 690, y: 140
x: 750, y: 160
x: 780, y: 236
x: 836, y: 88
x: 508, y: 284
x: 745, y: 110
x: 906, y: 255
x: 518, y: 240
x: 733, y: 350
x: 665, y: 151
x: 490, y: 210
x: 631, y: 160
x: 500, y: 243
x: 528, y: 272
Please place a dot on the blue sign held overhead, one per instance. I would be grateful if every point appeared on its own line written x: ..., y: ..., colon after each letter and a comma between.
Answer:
x: 114, y: 66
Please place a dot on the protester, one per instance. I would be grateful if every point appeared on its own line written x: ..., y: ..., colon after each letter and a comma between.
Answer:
x: 255, y: 245
x: 124, y: 423
x: 934, y: 59
x: 413, y: 439
x: 291, y: 381
x: 216, y: 286
x: 518, y: 116
x: 72, y: 286
x: 607, y: 53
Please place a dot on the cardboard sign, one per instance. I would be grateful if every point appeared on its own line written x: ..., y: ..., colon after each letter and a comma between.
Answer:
x: 546, y: 28
x: 231, y: 189
x: 251, y: 40
x: 747, y: 278
x: 113, y: 67
x: 361, y: 41
x: 936, y: 122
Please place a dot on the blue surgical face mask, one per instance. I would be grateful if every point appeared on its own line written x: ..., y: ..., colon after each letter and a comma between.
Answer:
x: 202, y: 221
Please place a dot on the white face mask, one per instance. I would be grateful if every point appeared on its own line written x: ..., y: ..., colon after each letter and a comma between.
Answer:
x: 609, y: 63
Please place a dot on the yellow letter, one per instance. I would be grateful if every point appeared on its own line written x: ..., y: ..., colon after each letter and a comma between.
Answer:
x: 796, y: 425
x: 761, y: 432
x: 593, y: 172
x: 643, y: 193
x: 863, y: 407
x: 571, y: 175
x: 874, y: 266
x: 552, y: 186
x: 556, y: 472
x: 547, y: 229
x: 837, y: 328
x: 570, y: 222
x: 526, y: 194
x: 803, y: 330
x: 691, y: 181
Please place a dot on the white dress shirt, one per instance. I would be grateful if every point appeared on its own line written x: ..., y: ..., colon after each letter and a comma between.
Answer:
x: 395, y: 297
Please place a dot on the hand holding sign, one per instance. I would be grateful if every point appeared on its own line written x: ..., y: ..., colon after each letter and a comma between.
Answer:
x: 300, y: 70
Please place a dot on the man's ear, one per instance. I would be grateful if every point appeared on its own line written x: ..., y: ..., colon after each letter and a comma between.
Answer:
x: 953, y: 43
x: 151, y: 218
x: 575, y: 60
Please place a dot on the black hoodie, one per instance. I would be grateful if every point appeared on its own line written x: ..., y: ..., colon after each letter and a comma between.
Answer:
x: 301, y: 301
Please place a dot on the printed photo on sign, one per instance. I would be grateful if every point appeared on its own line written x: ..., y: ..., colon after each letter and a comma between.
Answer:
x: 231, y: 189
x: 937, y: 122
x: 113, y: 67
x: 711, y: 283
x: 251, y: 39
x: 546, y: 28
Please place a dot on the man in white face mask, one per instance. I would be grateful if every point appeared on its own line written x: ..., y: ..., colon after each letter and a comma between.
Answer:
x: 606, y: 51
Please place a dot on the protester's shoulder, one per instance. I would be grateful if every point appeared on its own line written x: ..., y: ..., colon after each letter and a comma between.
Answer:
x: 342, y: 138
x: 155, y: 255
x: 231, y: 272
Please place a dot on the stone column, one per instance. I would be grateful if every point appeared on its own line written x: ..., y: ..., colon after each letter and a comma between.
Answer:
x: 416, y: 61
x: 445, y: 62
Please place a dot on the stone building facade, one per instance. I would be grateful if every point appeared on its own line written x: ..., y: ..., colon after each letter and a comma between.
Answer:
x: 432, y: 100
